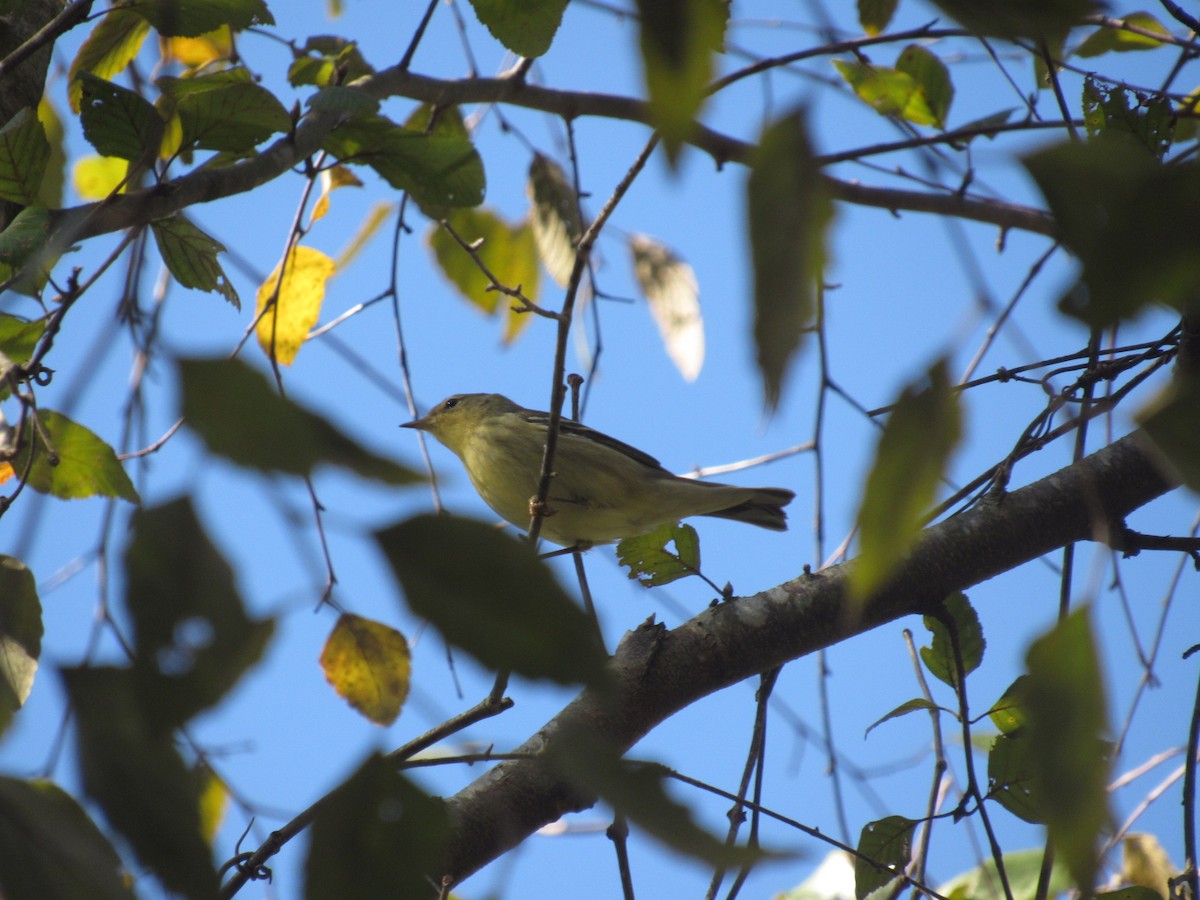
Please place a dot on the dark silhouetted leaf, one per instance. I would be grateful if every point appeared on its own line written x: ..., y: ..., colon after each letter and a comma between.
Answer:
x: 117, y: 121
x: 225, y: 110
x: 1010, y: 778
x: 20, y: 638
x: 49, y: 848
x: 192, y: 638
x: 379, y: 833
x: 489, y: 594
x: 111, y: 46
x: 917, y: 704
x: 192, y: 18
x: 1067, y: 756
x: 789, y: 212
x: 1040, y: 20
x: 237, y: 414
x: 875, y: 15
x: 24, y: 153
x: 191, y: 256
x: 138, y: 778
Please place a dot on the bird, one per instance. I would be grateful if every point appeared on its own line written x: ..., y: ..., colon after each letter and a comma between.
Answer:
x: 602, y: 489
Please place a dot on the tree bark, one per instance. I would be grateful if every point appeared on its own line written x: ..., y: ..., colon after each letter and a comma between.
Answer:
x: 658, y: 672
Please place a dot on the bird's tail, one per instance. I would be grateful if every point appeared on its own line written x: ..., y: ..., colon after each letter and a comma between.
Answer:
x: 764, y: 508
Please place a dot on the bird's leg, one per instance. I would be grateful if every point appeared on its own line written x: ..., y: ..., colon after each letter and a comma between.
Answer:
x: 543, y: 509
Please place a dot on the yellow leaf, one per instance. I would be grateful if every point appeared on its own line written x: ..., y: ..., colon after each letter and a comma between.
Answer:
x: 332, y: 179
x: 292, y: 303
x: 213, y: 801
x: 196, y: 52
x: 95, y: 177
x: 6, y: 472
x: 368, y: 664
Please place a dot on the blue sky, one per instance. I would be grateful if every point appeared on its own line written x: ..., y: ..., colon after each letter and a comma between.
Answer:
x: 903, y: 290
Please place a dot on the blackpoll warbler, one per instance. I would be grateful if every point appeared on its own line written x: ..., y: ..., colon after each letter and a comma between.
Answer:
x: 603, y: 490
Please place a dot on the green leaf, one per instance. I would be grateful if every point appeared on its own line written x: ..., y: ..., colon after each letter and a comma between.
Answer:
x: 347, y: 101
x: 678, y: 40
x: 49, y: 848
x: 1114, y: 202
x: 50, y: 193
x: 192, y: 18
x: 1112, y: 109
x: 555, y: 217
x: 526, y: 27
x: 191, y: 256
x: 489, y: 594
x: 789, y: 213
x: 24, y: 153
x: 921, y: 431
x: 1008, y: 714
x: 932, y: 79
x: 20, y: 639
x: 440, y: 171
x: 328, y: 60
x: 1135, y: 892
x: 25, y: 238
x: 19, y: 338
x: 225, y: 111
x: 1171, y: 421
x: 76, y: 463
x: 875, y: 15
x: 917, y: 704
x: 1010, y: 778
x: 649, y: 561
x: 889, y: 92
x: 1040, y: 20
x: 378, y: 832
x: 111, y: 46
x: 1067, y: 756
x: 237, y: 415
x: 637, y: 790
x: 673, y: 296
x: 192, y: 638
x: 117, y: 121
x: 139, y: 780
x: 1117, y: 40
x: 507, y: 251
x: 887, y: 843
x: 1023, y: 869
x: 939, y: 656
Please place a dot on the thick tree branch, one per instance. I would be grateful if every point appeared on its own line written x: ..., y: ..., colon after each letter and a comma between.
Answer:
x: 204, y: 185
x: 658, y: 672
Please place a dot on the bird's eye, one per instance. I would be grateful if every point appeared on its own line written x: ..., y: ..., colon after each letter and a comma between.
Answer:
x: 451, y: 403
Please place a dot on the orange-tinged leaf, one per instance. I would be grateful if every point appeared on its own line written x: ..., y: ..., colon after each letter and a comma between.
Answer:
x: 332, y: 179
x: 196, y: 52
x: 6, y: 472
x: 369, y: 665
x: 294, y: 300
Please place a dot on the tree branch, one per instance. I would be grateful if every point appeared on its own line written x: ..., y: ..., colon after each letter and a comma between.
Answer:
x: 658, y: 672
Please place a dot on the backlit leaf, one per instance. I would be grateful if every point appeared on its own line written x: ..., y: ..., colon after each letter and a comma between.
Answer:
x: 76, y: 463
x: 918, y: 704
x: 507, y: 251
x: 674, y: 298
x: 1118, y: 40
x: 649, y: 561
x: 191, y: 256
x: 369, y: 665
x: 887, y: 845
x: 932, y: 79
x: 555, y: 217
x: 875, y: 15
x: 526, y: 27
x: 111, y: 46
x: 18, y: 338
x: 921, y: 431
x: 789, y: 212
x: 939, y: 657
x: 292, y: 302
x: 96, y: 177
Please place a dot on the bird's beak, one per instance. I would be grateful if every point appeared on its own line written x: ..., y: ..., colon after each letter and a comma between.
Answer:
x: 419, y: 424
